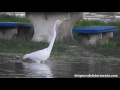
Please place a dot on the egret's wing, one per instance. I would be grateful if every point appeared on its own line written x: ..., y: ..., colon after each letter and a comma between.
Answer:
x: 41, y: 54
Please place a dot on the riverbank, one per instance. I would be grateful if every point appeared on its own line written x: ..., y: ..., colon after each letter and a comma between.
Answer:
x: 61, y: 49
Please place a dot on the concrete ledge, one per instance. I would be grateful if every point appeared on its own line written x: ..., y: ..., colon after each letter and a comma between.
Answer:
x: 90, y: 38
x: 6, y: 33
x: 106, y: 36
x: 95, y: 34
x: 8, y: 29
x: 9, y: 33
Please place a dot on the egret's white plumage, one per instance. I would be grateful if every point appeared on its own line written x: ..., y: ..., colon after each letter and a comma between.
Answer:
x: 44, y: 54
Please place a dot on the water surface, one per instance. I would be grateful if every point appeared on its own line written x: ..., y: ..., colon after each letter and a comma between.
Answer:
x: 57, y: 68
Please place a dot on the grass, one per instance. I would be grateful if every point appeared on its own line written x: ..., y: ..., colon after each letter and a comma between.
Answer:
x: 23, y: 47
x: 12, y: 18
x: 19, y: 46
x: 84, y: 23
x: 61, y: 48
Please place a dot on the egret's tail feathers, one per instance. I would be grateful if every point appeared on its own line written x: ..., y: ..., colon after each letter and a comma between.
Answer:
x: 25, y: 56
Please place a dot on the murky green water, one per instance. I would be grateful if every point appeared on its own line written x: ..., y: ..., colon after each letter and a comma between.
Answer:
x: 58, y: 68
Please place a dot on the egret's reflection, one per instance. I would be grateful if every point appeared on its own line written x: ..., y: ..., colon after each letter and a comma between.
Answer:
x: 37, y: 70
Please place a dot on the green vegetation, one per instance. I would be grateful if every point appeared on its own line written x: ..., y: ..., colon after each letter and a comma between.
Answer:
x: 61, y: 48
x: 110, y: 49
x: 84, y: 23
x: 12, y: 18
x: 20, y: 46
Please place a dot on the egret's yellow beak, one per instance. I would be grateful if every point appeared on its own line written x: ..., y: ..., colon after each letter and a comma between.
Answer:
x: 64, y: 21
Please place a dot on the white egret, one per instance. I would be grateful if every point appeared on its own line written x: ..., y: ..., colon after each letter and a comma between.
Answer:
x: 44, y: 54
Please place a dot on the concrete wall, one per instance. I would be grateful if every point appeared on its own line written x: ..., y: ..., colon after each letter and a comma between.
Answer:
x: 43, y: 23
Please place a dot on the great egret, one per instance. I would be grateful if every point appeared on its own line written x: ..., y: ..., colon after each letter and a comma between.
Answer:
x: 44, y: 54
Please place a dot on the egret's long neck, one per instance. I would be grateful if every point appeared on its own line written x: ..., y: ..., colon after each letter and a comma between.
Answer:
x: 53, y: 39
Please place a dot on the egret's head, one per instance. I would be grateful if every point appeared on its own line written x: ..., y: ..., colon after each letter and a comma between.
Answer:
x: 61, y: 21
x: 57, y: 23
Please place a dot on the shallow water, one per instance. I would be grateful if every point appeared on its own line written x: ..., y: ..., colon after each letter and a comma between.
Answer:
x: 58, y: 68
